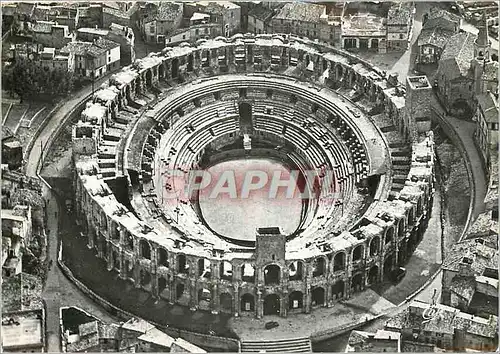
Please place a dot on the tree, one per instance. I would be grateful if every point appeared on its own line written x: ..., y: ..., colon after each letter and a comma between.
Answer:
x: 28, y: 79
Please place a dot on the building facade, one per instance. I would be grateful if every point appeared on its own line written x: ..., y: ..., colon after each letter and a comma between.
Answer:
x: 486, y: 117
x: 399, y: 26
x: 159, y: 19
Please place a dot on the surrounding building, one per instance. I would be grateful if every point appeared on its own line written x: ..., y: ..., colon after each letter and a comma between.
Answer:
x: 16, y: 233
x: 445, y: 327
x: 157, y: 20
x: 486, y: 134
x: 51, y: 34
x: 23, y: 331
x: 382, y: 341
x: 470, y: 276
x: 466, y: 70
x: 93, y: 59
x: 193, y: 33
x: 364, y: 27
x: 225, y: 13
x: 307, y: 20
x: 399, y: 26
x: 259, y: 19
x: 12, y: 150
x: 117, y: 33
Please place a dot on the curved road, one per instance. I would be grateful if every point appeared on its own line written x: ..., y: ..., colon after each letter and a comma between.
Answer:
x: 58, y: 290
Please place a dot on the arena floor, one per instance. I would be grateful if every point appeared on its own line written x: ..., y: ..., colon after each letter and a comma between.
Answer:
x: 239, y: 217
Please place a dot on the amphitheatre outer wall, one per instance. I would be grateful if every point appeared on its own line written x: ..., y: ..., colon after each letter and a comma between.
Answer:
x: 168, y: 261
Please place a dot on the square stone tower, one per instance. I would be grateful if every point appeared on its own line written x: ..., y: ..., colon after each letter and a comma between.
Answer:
x: 270, y: 246
x: 418, y: 103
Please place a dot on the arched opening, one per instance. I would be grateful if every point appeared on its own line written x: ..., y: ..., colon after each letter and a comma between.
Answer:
x: 190, y: 63
x: 325, y: 64
x: 419, y: 207
x: 226, y: 271
x: 175, y: 67
x: 127, y: 92
x: 272, y: 274
x: 204, y: 269
x: 307, y: 61
x: 338, y: 289
x: 357, y: 282
x: 319, y: 267
x: 226, y: 302
x: 204, y: 298
x: 357, y: 254
x: 179, y: 291
x: 374, y: 246
x: 104, y: 221
x: 248, y: 273
x: 293, y: 99
x: 295, y: 270
x: 161, y: 71
x: 401, y: 228
x: 388, y: 266
x: 245, y: 113
x: 162, y: 284
x: 318, y: 296
x: 129, y: 241
x: 339, y: 262
x: 116, y: 260
x: 163, y: 257
x: 295, y: 300
x: 389, y: 235
x: 269, y: 93
x: 145, y: 278
x: 182, y: 265
x: 149, y: 78
x: 129, y: 269
x: 138, y: 85
x: 144, y: 249
x: 247, y: 303
x: 374, y: 43
x: 411, y: 218
x: 272, y: 304
x: 373, y: 275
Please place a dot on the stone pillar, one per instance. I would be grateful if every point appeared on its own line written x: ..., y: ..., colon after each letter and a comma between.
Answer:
x: 172, y: 292
x: 236, y: 302
x: 123, y: 269
x: 259, y: 304
x: 110, y: 262
x: 284, y: 303
x: 215, y: 305
x: 357, y: 42
x: 307, y: 291
x: 193, y: 294
x: 154, y: 275
x: 369, y: 43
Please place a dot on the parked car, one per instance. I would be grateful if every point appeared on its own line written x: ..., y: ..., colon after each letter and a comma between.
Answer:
x: 398, y: 274
x: 271, y: 324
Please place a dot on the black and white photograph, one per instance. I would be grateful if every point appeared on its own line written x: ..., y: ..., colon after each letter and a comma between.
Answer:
x: 249, y: 176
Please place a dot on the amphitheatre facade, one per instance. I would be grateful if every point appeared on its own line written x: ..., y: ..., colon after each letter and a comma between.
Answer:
x: 311, y: 107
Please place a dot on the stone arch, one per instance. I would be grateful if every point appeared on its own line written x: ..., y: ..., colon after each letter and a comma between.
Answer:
x: 339, y: 261
x: 374, y: 246
x: 247, y: 303
x: 419, y: 206
x: 295, y: 270
x: 388, y: 265
x: 204, y: 269
x: 115, y: 231
x: 226, y: 302
x: 319, y: 267
x: 104, y: 221
x: 318, y: 296
x: 163, y: 257
x: 149, y: 77
x: 272, y: 274
x: 401, y: 228
x: 295, y: 300
x: 129, y: 241
x: 325, y: 64
x: 190, y: 62
x: 411, y: 217
x: 373, y: 274
x: 272, y: 304
x: 248, y: 273
x: 175, y: 67
x: 338, y: 289
x: 182, y: 264
x: 204, y: 298
x: 357, y: 282
x: 226, y: 270
x: 144, y: 249
x: 357, y: 253
x: 179, y: 291
x: 162, y: 285
x: 116, y: 260
x: 389, y: 235
x: 161, y: 71
x: 145, y: 278
x: 138, y: 83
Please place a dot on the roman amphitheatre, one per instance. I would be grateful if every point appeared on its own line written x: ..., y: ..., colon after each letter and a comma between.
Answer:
x: 268, y: 102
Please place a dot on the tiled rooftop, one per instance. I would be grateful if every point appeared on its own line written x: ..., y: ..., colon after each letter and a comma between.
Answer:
x: 299, y: 11
x: 457, y: 55
x: 434, y: 36
x: 400, y: 13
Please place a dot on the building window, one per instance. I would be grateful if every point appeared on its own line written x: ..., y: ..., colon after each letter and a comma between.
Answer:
x: 197, y: 32
x: 232, y: 14
x: 401, y: 36
x: 152, y: 29
x: 183, y: 36
x: 281, y: 21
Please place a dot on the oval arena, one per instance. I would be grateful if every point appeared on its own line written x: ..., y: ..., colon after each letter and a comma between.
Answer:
x: 280, y: 98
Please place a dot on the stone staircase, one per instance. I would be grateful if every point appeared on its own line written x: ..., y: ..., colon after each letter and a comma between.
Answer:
x: 293, y: 345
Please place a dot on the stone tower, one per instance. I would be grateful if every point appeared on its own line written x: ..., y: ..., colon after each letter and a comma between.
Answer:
x: 482, y: 48
x: 418, y: 98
